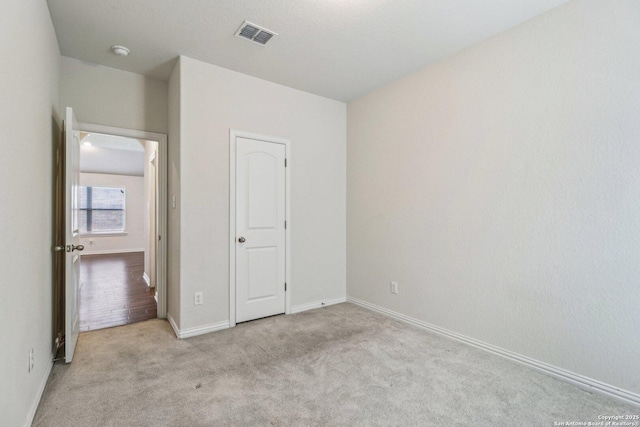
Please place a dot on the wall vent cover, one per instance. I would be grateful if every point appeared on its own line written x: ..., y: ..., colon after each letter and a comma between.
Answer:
x: 255, y: 33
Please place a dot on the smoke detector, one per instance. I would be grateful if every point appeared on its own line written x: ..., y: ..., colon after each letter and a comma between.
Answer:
x: 120, y: 50
x: 255, y: 33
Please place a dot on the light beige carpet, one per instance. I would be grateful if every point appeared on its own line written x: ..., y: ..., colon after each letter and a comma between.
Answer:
x: 339, y: 365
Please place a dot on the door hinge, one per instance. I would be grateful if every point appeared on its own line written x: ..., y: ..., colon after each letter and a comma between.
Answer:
x: 285, y: 286
x: 285, y: 225
x: 159, y: 237
x: 285, y: 163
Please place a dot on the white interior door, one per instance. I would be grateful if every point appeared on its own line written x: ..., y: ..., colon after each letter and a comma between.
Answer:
x: 72, y: 235
x: 260, y: 229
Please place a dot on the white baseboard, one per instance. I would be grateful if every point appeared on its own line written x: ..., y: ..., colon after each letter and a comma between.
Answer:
x: 111, y: 251
x: 147, y: 280
x: 316, y: 304
x: 198, y: 330
x: 34, y: 406
x: 581, y: 381
x: 172, y: 322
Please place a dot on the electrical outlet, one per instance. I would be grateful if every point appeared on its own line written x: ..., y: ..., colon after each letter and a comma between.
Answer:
x: 394, y: 287
x: 197, y: 298
x: 32, y: 360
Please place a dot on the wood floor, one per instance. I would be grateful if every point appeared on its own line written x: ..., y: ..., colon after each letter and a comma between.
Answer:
x: 114, y: 292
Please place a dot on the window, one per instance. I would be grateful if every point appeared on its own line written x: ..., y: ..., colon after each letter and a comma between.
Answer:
x: 102, y: 210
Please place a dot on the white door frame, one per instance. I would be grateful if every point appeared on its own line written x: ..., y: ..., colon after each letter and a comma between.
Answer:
x: 161, y: 170
x: 233, y: 135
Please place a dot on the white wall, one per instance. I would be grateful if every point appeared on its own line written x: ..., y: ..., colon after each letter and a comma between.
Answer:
x: 500, y: 188
x: 135, y: 239
x: 212, y: 101
x: 106, y: 96
x: 29, y: 128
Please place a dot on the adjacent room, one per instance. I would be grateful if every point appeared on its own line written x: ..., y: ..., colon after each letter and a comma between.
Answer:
x: 116, y: 221
x: 320, y: 213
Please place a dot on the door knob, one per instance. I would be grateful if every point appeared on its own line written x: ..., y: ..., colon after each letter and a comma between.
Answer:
x: 242, y: 240
x: 58, y: 248
x: 77, y: 248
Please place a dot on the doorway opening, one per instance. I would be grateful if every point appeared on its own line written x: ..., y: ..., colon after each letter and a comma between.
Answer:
x: 117, y: 220
x: 123, y: 276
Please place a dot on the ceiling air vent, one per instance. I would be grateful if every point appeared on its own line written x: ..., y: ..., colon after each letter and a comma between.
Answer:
x: 255, y: 33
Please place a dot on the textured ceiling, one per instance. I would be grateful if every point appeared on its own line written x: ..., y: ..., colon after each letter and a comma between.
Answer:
x: 339, y: 49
